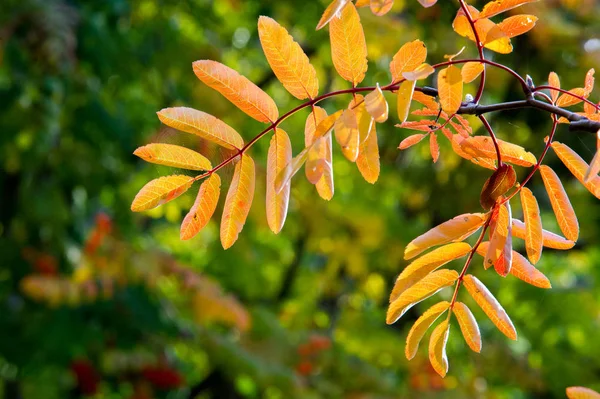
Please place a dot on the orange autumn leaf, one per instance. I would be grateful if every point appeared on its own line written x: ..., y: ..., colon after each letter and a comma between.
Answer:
x: 287, y: 60
x: 434, y: 147
x: 428, y: 101
x: 160, y: 191
x: 577, y: 166
x: 592, y: 171
x: 554, y: 81
x: 347, y: 134
x: 427, y: 263
x: 499, y: 6
x: 499, y: 253
x: 483, y: 146
x: 423, y: 71
x: 203, y: 208
x: 411, y: 140
x: 533, y: 225
x: 279, y: 155
x: 173, y: 155
x: 368, y: 157
x: 381, y: 7
x: 437, y: 348
x: 468, y: 326
x: 376, y: 105
x: 450, y: 89
x: 238, y: 201
x: 422, y: 290
x: 549, y: 239
x: 455, y: 229
x: 567, y: 100
x: 334, y: 8
x: 517, y: 25
x: 410, y: 56
x: 582, y: 393
x: 405, y: 93
x: 565, y: 215
x: 427, y: 3
x: 244, y: 94
x: 589, y: 81
x: 488, y: 32
x: 201, y: 124
x: 490, y: 305
x: 502, y: 180
x: 471, y: 70
x: 325, y: 186
x: 423, y: 323
x: 348, y: 45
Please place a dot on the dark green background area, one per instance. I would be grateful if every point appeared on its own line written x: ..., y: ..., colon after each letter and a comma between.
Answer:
x: 80, y: 83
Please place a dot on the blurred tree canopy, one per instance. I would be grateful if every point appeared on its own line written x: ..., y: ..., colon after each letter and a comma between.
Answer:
x: 96, y: 301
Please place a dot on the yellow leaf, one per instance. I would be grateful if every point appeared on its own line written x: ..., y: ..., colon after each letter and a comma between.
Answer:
x: 418, y: 330
x: 347, y: 134
x: 279, y: 156
x: 201, y: 124
x: 348, y: 45
x: 498, y: 6
x: 577, y: 166
x: 364, y: 119
x: 489, y: 33
x: 468, y: 326
x: 582, y: 393
x: 238, y: 201
x: 450, y: 88
x: 203, y: 209
x: 422, y: 290
x: 376, y: 105
x: 160, y: 191
x: 499, y: 251
x: 423, y: 71
x: 410, y: 56
x: 381, y: 7
x: 549, y: 239
x: 427, y: 263
x: 565, y: 215
x: 566, y: 100
x: 368, y: 157
x: 483, y: 146
x: 405, y: 93
x: 471, y: 70
x: 554, y: 81
x: 455, y: 229
x: 287, y: 60
x: 489, y: 304
x: 362, y: 3
x: 173, y: 155
x: 437, y: 348
x: 324, y: 186
x: 517, y: 25
x: 533, y: 224
x: 238, y: 89
x: 331, y: 11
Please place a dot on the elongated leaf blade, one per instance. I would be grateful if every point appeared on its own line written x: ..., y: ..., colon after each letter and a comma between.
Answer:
x: 582, y: 393
x: 517, y: 25
x: 410, y: 56
x: 423, y: 323
x: 405, y: 93
x: 471, y: 70
x: 348, y: 45
x: 483, y: 146
x: 279, y: 156
x: 347, y: 134
x: 468, y: 326
x: 203, y: 208
x: 577, y: 166
x: 533, y: 225
x: 450, y: 89
x: 437, y: 348
x: 160, y: 191
x: 325, y: 185
x: 368, y: 157
x: 376, y: 105
x: 549, y: 239
x: 173, y: 155
x: 565, y: 214
x: 331, y: 11
x: 499, y: 6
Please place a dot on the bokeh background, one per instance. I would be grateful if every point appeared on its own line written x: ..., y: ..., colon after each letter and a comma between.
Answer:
x: 96, y: 301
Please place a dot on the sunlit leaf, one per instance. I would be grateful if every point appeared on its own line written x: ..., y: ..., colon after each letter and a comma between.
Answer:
x: 426, y: 100
x: 517, y: 25
x: 363, y: 118
x: 499, y: 252
x: 410, y: 56
x: 471, y: 70
x: 368, y: 157
x: 582, y: 393
x: 450, y: 89
x: 567, y: 100
x: 421, y: 72
x: 455, y: 229
x: 427, y: 263
x: 577, y: 166
x: 549, y: 239
x: 533, y: 225
x: 554, y: 81
x: 488, y: 32
x: 589, y: 82
x: 381, y: 7
x: 331, y: 11
x: 468, y: 326
x: 203, y: 208
x: 592, y: 171
x: 173, y: 155
x: 288, y: 61
x: 201, y: 124
x: 347, y: 134
x: 498, y: 6
x: 483, y: 146
x: 348, y: 45
x: 565, y: 215
x: 434, y: 148
x: 376, y: 105
x: 238, y: 89
x: 423, y: 323
x: 490, y: 305
x: 160, y: 191
x: 279, y: 156
x: 405, y: 92
x: 423, y: 289
x: 238, y: 201
x: 437, y: 348
x: 325, y: 185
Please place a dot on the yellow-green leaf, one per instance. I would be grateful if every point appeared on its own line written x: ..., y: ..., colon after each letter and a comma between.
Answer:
x: 160, y: 191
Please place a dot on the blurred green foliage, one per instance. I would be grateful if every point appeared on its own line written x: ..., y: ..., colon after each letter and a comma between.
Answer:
x: 97, y: 300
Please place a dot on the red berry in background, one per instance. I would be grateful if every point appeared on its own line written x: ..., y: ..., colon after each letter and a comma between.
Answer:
x: 320, y: 342
x: 162, y: 377
x: 86, y: 375
x: 304, y: 368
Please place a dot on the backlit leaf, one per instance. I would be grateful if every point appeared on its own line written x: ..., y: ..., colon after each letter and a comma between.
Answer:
x: 582, y: 393
x: 533, y: 225
x: 502, y: 180
x: 517, y: 25
x: 288, y: 61
x: 376, y: 105
x: 434, y: 148
x: 554, y: 81
x: 411, y: 140
x: 566, y: 100
x: 160, y: 191
x: 427, y: 3
x: 381, y: 7
x: 498, y: 6
x: 490, y: 305
x: 471, y: 70
x: 499, y: 252
x: 437, y: 348
x: 549, y: 239
x: 363, y: 118
x: 427, y: 263
x: 589, y: 81
x: 410, y: 56
x: 173, y: 155
x: 423, y: 323
x: 238, y: 89
x: 426, y: 100
x: 405, y: 92
x: 203, y: 208
x: 347, y: 134
x: 422, y: 290
x: 565, y: 215
x: 455, y: 229
x: 325, y: 185
x: 279, y: 156
x: 468, y: 325
x: 421, y: 72
x: 334, y: 8
x: 577, y: 166
x: 450, y: 88
x: 238, y: 201
x: 348, y: 45
x: 196, y: 122
x: 483, y: 146
x: 368, y: 157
